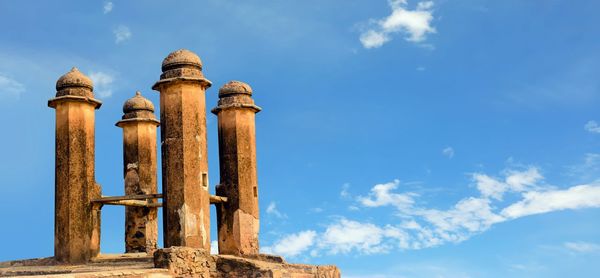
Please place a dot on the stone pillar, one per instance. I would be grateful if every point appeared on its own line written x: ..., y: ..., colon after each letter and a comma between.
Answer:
x: 139, y: 170
x: 76, y: 220
x: 186, y: 204
x: 237, y: 219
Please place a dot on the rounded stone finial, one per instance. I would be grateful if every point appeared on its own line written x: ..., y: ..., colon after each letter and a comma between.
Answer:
x: 235, y: 88
x: 74, y: 78
x: 137, y: 103
x: 181, y: 57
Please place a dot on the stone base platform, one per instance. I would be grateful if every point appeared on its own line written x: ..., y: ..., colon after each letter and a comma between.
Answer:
x: 123, y: 265
x: 170, y: 262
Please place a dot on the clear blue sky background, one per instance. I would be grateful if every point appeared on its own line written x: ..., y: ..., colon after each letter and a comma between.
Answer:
x: 398, y: 139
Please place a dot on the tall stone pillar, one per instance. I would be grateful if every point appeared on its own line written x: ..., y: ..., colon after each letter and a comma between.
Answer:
x: 76, y: 220
x: 139, y: 170
x: 186, y: 204
x: 237, y: 219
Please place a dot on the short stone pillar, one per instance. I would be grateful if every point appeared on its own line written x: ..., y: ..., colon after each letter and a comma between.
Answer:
x: 237, y: 219
x: 139, y: 170
x: 76, y: 220
x: 186, y: 203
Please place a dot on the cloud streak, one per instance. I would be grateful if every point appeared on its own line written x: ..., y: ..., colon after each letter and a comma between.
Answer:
x: 10, y: 88
x: 414, y: 24
x: 122, y: 34
x: 108, y: 6
x: 592, y: 127
x: 292, y: 245
x: 102, y: 83
x: 272, y: 210
x: 421, y: 227
x: 448, y: 152
x: 582, y: 247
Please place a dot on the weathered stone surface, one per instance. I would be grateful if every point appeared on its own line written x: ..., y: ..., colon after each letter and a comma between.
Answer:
x: 139, y: 170
x: 186, y: 202
x: 184, y: 261
x: 238, y: 218
x: 171, y: 262
x: 190, y: 262
x: 77, y: 221
x: 123, y: 265
x: 226, y: 266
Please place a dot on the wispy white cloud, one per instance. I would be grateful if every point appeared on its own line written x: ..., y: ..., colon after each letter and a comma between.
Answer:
x: 292, y: 245
x: 448, y: 152
x: 122, y: 33
x: 344, y: 193
x: 515, y: 181
x: 587, y: 170
x: 108, y: 6
x: 592, y: 126
x: 576, y: 197
x: 345, y: 236
x: 422, y: 227
x: 381, y: 195
x: 272, y: 210
x: 10, y: 88
x: 103, y: 83
x: 582, y: 247
x: 414, y: 24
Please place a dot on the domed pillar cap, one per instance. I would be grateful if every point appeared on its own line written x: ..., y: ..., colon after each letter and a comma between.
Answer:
x: 182, y: 66
x: 235, y: 94
x: 74, y: 86
x: 136, y: 103
x: 138, y: 109
x: 181, y: 57
x: 74, y: 78
x: 235, y: 88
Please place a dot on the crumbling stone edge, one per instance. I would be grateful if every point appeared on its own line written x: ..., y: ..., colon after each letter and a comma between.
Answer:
x: 194, y: 262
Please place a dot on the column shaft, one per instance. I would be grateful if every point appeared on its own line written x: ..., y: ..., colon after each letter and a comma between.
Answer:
x: 185, y: 165
x: 139, y: 157
x: 186, y: 204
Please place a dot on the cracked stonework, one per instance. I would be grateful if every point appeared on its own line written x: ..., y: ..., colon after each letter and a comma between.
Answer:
x: 190, y: 221
x: 202, y: 230
x: 248, y: 240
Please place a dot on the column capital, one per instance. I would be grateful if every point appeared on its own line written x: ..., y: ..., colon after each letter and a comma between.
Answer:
x: 53, y: 102
x: 74, y: 86
x: 235, y: 94
x: 182, y: 66
x: 138, y: 109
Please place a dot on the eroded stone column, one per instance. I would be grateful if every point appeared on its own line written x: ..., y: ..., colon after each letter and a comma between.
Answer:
x: 76, y: 221
x: 186, y: 210
x: 237, y: 219
x: 139, y: 170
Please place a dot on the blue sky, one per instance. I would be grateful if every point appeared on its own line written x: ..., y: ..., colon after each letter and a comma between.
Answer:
x: 397, y: 139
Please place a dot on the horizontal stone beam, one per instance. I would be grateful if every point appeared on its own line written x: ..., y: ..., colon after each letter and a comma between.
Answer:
x: 105, y: 199
x: 214, y: 199
x: 116, y: 200
x: 133, y: 203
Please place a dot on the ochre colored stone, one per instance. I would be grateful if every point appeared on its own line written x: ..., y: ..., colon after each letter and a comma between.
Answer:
x: 77, y: 221
x: 171, y: 262
x: 238, y: 218
x: 186, y: 210
x: 191, y: 262
x: 139, y: 171
x: 184, y: 261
